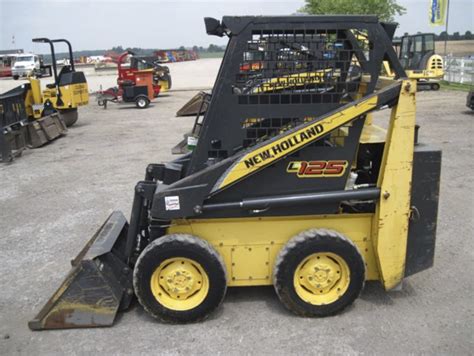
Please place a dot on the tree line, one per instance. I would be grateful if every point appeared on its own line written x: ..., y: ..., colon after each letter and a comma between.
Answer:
x: 444, y: 36
x: 456, y: 36
x: 386, y: 10
x: 212, y: 48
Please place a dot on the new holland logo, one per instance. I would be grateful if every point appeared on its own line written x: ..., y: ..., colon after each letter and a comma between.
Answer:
x: 317, y: 169
x: 288, y: 142
x: 282, y: 146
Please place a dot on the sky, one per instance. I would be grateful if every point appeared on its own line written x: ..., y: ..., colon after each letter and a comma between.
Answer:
x: 102, y: 24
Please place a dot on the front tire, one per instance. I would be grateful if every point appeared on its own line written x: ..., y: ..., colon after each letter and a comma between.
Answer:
x: 318, y: 273
x: 142, y: 102
x: 179, y: 279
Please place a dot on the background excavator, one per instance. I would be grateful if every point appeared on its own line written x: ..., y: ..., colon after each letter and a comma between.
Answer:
x: 419, y: 59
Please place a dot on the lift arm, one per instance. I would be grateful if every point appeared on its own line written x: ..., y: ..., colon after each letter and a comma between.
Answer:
x: 390, y: 225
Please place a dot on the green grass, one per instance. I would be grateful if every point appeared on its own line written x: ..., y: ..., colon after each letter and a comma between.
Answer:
x: 211, y: 54
x: 456, y: 86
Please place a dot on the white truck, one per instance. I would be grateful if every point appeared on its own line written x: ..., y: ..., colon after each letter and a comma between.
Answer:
x: 25, y: 65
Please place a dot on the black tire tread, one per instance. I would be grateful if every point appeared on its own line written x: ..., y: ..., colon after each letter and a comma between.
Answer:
x: 174, y: 239
x: 294, y: 244
x: 147, y: 101
x: 69, y: 117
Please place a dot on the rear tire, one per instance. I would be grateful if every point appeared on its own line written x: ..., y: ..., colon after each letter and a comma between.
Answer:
x: 167, y: 78
x: 142, y: 102
x: 435, y: 86
x: 318, y: 273
x: 15, y: 77
x: 69, y: 116
x: 179, y: 279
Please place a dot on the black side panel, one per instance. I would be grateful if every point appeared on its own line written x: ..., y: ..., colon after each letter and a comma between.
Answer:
x: 12, y: 106
x: 131, y: 92
x: 68, y: 78
x: 20, y: 90
x: 13, y: 133
x: 470, y: 100
x: 275, y: 180
x: 424, y: 202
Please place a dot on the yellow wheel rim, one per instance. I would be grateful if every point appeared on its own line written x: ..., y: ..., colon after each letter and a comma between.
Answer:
x: 321, y: 278
x: 179, y: 284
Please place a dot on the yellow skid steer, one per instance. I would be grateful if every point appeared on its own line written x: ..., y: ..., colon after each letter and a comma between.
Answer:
x: 294, y: 186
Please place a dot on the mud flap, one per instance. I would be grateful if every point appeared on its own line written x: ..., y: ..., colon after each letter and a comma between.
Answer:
x: 97, y: 287
x: 46, y: 129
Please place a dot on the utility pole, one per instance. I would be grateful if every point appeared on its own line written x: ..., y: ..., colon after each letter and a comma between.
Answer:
x: 447, y: 21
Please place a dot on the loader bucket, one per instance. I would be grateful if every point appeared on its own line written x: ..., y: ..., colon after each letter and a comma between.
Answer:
x: 197, y: 105
x: 98, y: 285
x: 45, y: 129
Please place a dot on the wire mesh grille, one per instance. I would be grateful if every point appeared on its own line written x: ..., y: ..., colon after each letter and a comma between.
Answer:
x: 262, y: 129
x: 300, y: 66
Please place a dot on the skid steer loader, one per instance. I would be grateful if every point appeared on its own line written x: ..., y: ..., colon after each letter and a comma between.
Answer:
x: 292, y: 186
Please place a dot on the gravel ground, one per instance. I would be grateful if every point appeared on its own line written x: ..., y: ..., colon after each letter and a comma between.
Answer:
x: 53, y: 198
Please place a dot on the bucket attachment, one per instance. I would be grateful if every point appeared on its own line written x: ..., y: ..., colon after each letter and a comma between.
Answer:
x: 97, y: 287
x: 46, y: 129
x: 197, y: 105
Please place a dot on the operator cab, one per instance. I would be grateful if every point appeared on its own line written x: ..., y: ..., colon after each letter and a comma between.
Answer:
x: 416, y: 50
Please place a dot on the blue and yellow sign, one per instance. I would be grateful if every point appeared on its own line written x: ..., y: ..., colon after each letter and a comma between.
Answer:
x: 438, y: 12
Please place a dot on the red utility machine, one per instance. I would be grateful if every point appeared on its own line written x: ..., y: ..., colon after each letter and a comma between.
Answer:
x: 134, y: 85
x: 131, y: 74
